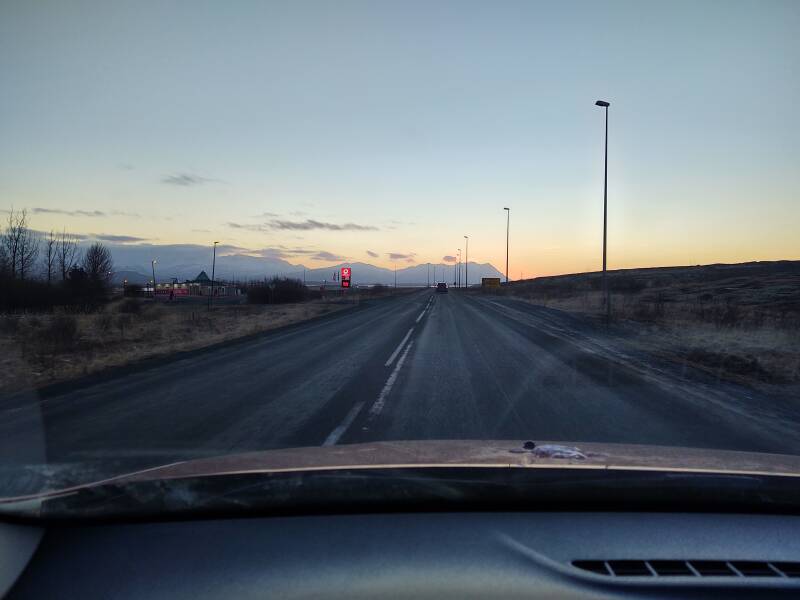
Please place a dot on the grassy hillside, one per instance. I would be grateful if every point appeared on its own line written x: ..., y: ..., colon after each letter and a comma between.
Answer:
x: 740, y: 321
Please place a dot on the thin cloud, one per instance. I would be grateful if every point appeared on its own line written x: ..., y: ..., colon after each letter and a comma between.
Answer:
x: 373, y: 254
x: 400, y: 256
x: 283, y: 252
x: 43, y: 234
x: 121, y: 239
x: 185, y: 179
x: 307, y: 225
x: 310, y: 224
x: 248, y: 226
x: 327, y: 256
x: 279, y: 253
x: 266, y: 215
x: 68, y: 213
x: 449, y: 259
x: 201, y: 230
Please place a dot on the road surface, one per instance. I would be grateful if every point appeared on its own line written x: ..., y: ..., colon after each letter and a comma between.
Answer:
x: 417, y: 366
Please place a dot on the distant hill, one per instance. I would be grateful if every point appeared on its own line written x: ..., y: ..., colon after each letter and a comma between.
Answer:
x: 650, y: 276
x: 185, y: 261
x: 132, y: 277
x: 771, y: 284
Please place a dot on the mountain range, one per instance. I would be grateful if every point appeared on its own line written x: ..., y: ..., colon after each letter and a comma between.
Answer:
x: 186, y: 261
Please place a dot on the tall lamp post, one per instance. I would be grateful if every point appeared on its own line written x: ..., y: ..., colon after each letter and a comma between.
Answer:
x: 458, y: 271
x: 213, y: 268
x: 466, y: 263
x: 508, y: 223
x: 153, y: 266
x: 604, y: 104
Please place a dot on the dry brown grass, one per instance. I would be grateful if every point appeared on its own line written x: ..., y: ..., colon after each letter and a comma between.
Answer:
x: 742, y: 324
x: 37, y: 350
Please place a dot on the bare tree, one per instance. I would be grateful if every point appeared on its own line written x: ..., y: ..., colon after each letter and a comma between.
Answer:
x: 16, y: 221
x: 5, y: 269
x: 66, y: 253
x: 28, y: 251
x: 98, y: 264
x: 21, y: 245
x: 50, y: 255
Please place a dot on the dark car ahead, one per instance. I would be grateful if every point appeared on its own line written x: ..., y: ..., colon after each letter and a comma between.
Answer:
x: 441, y: 288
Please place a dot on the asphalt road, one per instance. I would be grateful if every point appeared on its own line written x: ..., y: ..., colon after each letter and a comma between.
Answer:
x: 418, y: 366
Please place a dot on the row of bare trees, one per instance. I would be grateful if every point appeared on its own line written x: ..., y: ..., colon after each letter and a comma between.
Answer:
x: 43, y: 270
x: 20, y: 248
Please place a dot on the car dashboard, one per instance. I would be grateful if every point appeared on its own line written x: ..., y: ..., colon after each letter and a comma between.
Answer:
x: 422, y: 555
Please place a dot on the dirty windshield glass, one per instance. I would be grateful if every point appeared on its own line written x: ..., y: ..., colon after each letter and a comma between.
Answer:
x: 232, y: 228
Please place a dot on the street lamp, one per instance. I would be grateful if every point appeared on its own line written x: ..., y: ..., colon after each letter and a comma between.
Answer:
x: 213, y: 267
x: 458, y: 271
x: 153, y: 266
x: 604, y: 104
x: 466, y: 263
x: 508, y: 223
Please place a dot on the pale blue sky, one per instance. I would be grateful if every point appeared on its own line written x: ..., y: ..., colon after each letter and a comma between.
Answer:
x: 418, y: 119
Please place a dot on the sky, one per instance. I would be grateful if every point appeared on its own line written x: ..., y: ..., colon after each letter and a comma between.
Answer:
x: 384, y: 132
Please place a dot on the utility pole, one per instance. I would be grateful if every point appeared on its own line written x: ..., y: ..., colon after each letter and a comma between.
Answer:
x: 466, y: 264
x: 508, y: 223
x: 429, y: 274
x: 606, y: 293
x: 458, y: 273
x: 213, y: 267
x: 153, y: 266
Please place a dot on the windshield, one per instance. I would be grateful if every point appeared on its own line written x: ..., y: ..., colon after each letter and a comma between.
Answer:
x: 302, y: 227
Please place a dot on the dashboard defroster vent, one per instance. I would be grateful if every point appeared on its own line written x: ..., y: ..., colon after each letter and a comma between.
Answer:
x: 689, y: 568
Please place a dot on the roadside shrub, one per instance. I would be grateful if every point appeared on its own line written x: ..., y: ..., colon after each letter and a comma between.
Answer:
x: 153, y: 313
x: 104, y: 322
x: 123, y: 322
x: 133, y: 290
x: 279, y: 290
x: 130, y: 306
x: 61, y: 332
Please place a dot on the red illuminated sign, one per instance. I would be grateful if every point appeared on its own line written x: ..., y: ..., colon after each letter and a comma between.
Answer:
x: 345, y: 278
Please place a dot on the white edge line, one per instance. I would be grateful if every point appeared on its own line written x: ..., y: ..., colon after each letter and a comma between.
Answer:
x: 339, y: 431
x: 399, y: 347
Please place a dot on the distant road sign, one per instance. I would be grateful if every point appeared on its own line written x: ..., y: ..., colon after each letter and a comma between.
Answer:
x: 345, y: 278
x: 490, y: 282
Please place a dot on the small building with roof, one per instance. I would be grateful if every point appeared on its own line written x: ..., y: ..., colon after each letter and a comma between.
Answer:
x: 199, y: 286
